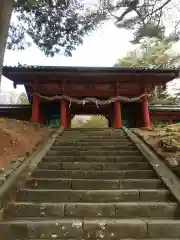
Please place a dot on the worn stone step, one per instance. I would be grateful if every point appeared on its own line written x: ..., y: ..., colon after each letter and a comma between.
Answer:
x: 98, y: 239
x: 51, y: 195
x: 94, y: 148
x: 94, y: 166
x: 90, y: 229
x: 131, y: 228
x: 96, y: 139
x: 96, y: 133
x: 95, y: 174
x: 61, y: 183
x: 93, y: 210
x: 99, y: 130
x: 49, y: 229
x: 80, y: 129
x: 91, y: 144
x: 93, y: 153
x: 94, y: 159
x: 96, y: 136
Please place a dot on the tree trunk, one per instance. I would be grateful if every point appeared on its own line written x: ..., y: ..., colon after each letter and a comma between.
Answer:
x: 6, y: 8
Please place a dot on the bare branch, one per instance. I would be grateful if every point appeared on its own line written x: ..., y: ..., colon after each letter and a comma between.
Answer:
x: 162, y: 6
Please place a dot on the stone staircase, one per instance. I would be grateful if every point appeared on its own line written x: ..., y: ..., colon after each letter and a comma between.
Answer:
x: 95, y: 185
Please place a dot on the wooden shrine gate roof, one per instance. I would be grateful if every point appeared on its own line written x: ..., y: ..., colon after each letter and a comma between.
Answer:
x: 51, y: 69
x: 52, y: 73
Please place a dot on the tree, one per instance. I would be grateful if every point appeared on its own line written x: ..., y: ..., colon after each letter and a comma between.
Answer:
x: 6, y: 8
x: 22, y: 99
x: 151, y: 52
x: 155, y: 54
x: 55, y: 26
x: 163, y: 97
x: 147, y: 17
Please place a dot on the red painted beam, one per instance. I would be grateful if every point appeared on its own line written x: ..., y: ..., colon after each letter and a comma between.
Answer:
x: 165, y: 118
x: 165, y: 113
x: 92, y: 93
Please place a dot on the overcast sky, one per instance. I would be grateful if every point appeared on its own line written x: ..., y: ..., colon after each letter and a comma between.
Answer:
x: 101, y: 48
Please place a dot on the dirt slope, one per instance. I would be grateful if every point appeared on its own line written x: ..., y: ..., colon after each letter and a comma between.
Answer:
x: 165, y: 141
x: 17, y: 138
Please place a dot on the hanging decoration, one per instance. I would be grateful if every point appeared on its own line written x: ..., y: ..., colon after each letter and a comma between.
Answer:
x: 91, y: 99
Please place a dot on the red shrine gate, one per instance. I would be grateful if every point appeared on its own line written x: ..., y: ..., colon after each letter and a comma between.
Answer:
x: 120, y: 94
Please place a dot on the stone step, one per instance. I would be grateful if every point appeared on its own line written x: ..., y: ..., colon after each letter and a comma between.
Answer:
x: 92, y: 174
x: 93, y: 210
x: 98, y: 239
x: 94, y: 159
x: 78, y: 129
x: 93, y: 148
x: 95, y: 139
x: 90, y: 229
x: 95, y: 131
x: 95, y: 134
x: 93, y: 153
x: 91, y: 144
x: 94, y: 166
x: 97, y: 196
x: 61, y: 183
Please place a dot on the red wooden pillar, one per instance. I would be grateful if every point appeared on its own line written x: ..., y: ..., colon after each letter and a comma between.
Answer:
x: 69, y: 122
x: 64, y: 114
x: 145, y: 110
x: 117, y: 121
x: 41, y: 118
x: 35, y: 109
x: 170, y: 121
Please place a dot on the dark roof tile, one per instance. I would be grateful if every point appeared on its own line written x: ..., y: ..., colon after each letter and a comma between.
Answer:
x: 89, y: 69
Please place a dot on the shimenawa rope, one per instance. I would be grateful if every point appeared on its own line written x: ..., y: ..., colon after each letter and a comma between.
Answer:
x: 91, y: 99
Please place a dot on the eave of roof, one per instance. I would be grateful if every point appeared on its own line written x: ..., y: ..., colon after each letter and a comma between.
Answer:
x: 53, y: 69
x: 15, y: 106
x: 164, y: 107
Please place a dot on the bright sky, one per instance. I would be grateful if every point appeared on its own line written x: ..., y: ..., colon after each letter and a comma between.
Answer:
x: 102, y: 48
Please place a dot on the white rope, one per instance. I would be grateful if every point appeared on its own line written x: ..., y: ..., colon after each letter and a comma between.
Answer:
x: 90, y: 99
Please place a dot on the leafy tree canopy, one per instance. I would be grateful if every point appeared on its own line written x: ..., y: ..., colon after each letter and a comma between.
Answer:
x: 22, y: 99
x: 55, y: 26
x: 58, y: 26
x: 148, y: 18
x: 151, y: 52
x: 155, y: 54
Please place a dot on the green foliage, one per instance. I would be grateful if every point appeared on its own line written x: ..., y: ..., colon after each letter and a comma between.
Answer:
x: 147, y: 17
x: 151, y: 53
x: 22, y: 99
x: 73, y: 123
x: 55, y: 26
x: 96, y: 122
x: 58, y: 26
x: 163, y: 97
x: 155, y: 54
x: 149, y: 30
